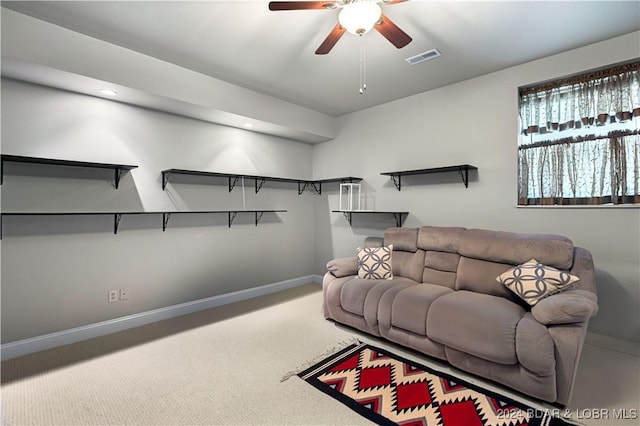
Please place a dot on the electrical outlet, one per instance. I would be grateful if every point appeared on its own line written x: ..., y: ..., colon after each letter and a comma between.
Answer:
x: 124, y: 294
x: 113, y: 296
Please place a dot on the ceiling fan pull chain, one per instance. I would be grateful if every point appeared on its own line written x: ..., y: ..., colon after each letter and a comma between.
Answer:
x: 363, y: 69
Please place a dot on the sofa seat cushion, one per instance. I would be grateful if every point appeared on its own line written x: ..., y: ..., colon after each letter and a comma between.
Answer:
x: 410, y: 307
x: 361, y: 296
x: 478, y: 324
x: 354, y: 294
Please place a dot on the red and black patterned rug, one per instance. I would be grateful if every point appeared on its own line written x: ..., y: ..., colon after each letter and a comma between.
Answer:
x: 388, y: 389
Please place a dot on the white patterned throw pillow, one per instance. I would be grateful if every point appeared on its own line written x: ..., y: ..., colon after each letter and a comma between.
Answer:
x: 533, y: 281
x: 374, y: 263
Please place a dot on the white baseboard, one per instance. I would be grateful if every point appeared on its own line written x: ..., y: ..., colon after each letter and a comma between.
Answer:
x: 73, y: 335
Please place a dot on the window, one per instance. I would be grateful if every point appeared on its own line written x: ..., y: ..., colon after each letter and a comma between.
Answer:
x: 580, y: 139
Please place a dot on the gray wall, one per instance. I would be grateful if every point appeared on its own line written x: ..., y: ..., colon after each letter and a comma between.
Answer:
x: 476, y: 122
x: 56, y: 272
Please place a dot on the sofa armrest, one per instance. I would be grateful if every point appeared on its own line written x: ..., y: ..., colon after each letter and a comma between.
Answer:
x: 343, y: 267
x: 567, y: 307
x: 584, y: 268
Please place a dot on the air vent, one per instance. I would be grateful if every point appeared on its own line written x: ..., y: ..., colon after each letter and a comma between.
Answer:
x: 425, y: 56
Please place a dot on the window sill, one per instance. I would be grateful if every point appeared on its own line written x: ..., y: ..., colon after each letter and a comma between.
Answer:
x: 599, y: 206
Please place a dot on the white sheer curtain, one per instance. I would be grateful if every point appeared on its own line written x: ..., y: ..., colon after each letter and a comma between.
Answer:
x: 599, y: 170
x: 581, y: 143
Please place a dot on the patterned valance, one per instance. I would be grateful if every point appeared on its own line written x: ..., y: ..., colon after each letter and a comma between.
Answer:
x: 594, y: 98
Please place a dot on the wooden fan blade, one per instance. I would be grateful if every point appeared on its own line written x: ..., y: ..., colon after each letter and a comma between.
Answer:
x: 331, y: 40
x: 392, y: 32
x: 391, y: 2
x: 301, y: 5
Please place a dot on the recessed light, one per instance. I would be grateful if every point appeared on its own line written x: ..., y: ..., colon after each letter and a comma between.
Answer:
x: 108, y: 92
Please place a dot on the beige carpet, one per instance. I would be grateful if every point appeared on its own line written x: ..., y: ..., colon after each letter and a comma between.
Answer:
x: 220, y: 366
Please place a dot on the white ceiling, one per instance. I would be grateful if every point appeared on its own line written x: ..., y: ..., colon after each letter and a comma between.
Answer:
x: 243, y: 43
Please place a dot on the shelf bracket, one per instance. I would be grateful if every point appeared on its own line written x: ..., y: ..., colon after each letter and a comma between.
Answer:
x: 118, y: 175
x: 231, y: 216
x: 317, y: 186
x: 258, y: 217
x: 165, y: 220
x: 116, y: 222
x: 398, y: 218
x: 165, y: 179
x: 233, y: 184
x: 464, y: 174
x: 398, y: 182
x: 302, y: 186
x: 259, y: 185
x: 348, y: 216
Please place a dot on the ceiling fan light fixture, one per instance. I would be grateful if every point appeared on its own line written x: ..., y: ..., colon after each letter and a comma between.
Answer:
x: 359, y: 17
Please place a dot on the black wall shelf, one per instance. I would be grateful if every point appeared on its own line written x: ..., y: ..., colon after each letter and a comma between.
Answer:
x: 166, y: 215
x: 258, y: 180
x: 231, y: 214
x: 348, y: 214
x: 117, y: 168
x: 462, y: 169
x: 317, y: 184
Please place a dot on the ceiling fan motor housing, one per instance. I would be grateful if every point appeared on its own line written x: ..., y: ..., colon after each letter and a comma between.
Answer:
x: 355, y: 16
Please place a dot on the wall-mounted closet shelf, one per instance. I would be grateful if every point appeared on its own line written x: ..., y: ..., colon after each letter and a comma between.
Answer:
x: 231, y: 214
x: 117, y: 168
x: 258, y: 180
x: 166, y: 215
x: 348, y: 214
x: 462, y: 169
x: 317, y: 184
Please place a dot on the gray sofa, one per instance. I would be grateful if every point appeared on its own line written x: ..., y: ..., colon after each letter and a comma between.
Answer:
x: 444, y: 300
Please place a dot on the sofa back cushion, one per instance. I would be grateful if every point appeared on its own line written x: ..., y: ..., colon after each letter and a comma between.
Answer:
x: 515, y: 249
x: 373, y: 242
x: 438, y: 238
x: 403, y: 239
x: 408, y: 265
x: 480, y: 276
x: 471, y: 259
x: 408, y: 261
x: 440, y: 268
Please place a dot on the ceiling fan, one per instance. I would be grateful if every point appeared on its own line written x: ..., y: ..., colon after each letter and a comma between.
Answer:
x: 356, y: 17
